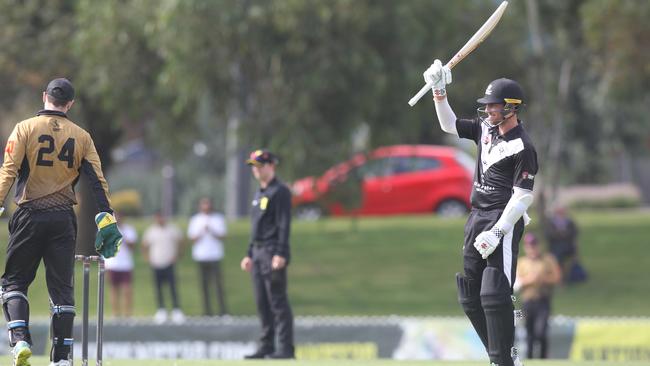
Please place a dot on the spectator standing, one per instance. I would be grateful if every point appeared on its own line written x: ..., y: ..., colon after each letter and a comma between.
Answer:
x: 120, y: 270
x: 161, y: 247
x: 207, y: 230
x: 562, y: 233
x: 537, y: 274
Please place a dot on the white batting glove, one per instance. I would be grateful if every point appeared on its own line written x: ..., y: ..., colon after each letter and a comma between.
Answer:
x: 439, y: 75
x: 487, y: 241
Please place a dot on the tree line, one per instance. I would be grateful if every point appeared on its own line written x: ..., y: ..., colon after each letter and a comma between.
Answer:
x: 301, y: 76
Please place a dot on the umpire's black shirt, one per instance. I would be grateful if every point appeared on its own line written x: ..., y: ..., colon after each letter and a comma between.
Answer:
x: 271, y: 219
x: 503, y: 162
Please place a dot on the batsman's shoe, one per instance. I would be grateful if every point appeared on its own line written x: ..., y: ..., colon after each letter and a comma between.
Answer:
x: 22, y: 352
x: 109, y: 238
x: 61, y: 363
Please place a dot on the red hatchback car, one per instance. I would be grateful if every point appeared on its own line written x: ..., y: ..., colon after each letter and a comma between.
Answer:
x: 401, y: 179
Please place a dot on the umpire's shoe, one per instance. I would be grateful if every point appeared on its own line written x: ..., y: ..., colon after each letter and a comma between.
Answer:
x: 282, y: 355
x: 22, y: 352
x: 260, y: 353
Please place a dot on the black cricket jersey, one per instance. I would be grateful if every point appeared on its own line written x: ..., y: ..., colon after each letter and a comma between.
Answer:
x: 503, y: 162
x: 271, y: 219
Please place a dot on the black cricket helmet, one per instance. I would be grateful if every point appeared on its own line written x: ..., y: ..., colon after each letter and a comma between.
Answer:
x: 505, y: 91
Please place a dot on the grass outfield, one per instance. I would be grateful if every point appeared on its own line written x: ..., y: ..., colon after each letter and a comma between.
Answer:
x: 43, y: 361
x: 404, y: 266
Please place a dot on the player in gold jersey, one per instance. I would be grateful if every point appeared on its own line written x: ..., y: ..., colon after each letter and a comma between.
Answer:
x: 44, y: 156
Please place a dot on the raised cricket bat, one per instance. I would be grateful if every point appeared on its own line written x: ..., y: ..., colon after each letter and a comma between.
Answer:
x: 470, y: 46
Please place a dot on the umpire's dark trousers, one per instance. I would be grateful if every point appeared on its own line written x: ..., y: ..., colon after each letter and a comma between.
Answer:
x: 273, y: 307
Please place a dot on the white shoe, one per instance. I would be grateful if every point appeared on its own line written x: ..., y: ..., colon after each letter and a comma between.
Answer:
x: 160, y: 316
x: 61, y: 363
x: 178, y: 316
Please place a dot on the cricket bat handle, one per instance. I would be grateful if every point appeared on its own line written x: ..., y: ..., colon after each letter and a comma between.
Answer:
x: 420, y: 94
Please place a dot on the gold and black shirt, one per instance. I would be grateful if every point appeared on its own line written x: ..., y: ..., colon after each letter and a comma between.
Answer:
x: 46, y: 154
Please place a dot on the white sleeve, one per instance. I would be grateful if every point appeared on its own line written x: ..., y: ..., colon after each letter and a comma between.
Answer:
x: 192, y: 228
x: 218, y: 225
x: 517, y: 205
x: 446, y: 116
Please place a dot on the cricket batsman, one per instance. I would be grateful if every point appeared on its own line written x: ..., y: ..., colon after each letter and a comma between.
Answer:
x: 503, y: 183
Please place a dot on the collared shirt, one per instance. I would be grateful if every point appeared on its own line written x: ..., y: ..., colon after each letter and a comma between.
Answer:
x: 271, y: 218
x: 503, y: 162
x: 163, y: 243
x: 46, y: 154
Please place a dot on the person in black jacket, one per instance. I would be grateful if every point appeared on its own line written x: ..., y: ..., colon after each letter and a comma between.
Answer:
x: 268, y: 257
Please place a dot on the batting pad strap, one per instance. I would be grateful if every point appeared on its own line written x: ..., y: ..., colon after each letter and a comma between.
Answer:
x: 6, y: 296
x: 62, y: 309
x: 16, y: 324
x: 63, y: 341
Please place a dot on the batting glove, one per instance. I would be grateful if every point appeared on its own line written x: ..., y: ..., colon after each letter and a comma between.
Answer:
x: 487, y: 241
x: 439, y: 75
x: 109, y: 238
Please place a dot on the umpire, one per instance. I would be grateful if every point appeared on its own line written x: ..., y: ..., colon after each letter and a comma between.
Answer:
x: 46, y: 154
x: 268, y: 257
x: 503, y: 182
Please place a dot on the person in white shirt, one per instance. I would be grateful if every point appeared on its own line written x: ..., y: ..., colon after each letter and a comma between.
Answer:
x: 161, y: 244
x: 207, y: 229
x: 120, y: 270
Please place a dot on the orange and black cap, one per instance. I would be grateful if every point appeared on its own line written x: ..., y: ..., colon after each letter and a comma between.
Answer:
x: 260, y: 157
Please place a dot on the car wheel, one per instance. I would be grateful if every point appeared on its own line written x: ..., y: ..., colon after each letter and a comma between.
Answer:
x: 308, y: 212
x: 451, y: 208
